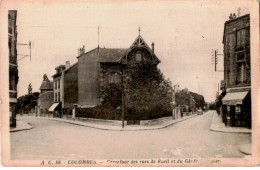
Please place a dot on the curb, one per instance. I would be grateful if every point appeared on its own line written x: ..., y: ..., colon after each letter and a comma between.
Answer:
x: 246, y: 149
x: 225, y: 130
x: 22, y: 129
x: 120, y: 129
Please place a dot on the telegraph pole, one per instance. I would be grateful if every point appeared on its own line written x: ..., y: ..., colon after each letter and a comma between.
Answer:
x: 214, y: 59
x: 26, y: 55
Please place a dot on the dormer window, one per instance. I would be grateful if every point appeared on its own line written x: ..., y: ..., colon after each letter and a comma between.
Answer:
x: 138, y: 57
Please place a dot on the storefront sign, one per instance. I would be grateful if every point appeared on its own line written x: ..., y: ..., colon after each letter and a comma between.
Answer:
x: 232, y: 102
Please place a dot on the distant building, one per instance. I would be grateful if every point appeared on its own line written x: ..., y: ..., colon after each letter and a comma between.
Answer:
x: 13, y: 70
x: 101, y: 67
x: 46, y: 96
x: 236, y: 108
x: 65, y: 89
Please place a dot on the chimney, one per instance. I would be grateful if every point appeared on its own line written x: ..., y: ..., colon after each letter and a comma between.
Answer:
x: 83, y: 49
x: 234, y: 16
x: 57, y: 70
x: 67, y: 64
x: 153, y: 46
x: 230, y: 16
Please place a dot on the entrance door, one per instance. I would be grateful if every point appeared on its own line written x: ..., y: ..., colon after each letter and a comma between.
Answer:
x: 232, y: 115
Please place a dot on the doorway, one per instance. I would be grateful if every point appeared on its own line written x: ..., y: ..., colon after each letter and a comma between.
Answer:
x: 232, y: 115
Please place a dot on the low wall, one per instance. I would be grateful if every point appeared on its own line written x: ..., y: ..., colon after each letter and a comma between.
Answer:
x: 187, y: 113
x: 155, y: 121
x: 163, y: 119
x: 100, y: 121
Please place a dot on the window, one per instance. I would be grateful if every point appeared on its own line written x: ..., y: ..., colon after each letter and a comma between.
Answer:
x: 12, y: 85
x: 242, y: 71
x: 114, y: 77
x: 55, y: 98
x: 138, y: 57
x: 10, y: 46
x: 241, y: 38
x: 10, y: 30
x: 58, y: 83
x: 55, y: 84
x: 58, y: 96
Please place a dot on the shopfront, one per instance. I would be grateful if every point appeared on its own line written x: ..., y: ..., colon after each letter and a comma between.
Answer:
x: 237, y: 108
x: 56, y: 109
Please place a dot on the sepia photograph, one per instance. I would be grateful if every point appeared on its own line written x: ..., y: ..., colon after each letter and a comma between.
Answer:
x: 129, y: 83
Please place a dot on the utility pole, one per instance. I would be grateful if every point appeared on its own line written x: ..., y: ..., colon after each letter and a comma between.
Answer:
x: 214, y: 59
x: 173, y: 103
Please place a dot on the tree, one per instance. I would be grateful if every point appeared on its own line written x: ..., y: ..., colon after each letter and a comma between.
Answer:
x: 148, y: 94
x: 30, y: 89
x: 183, y: 97
x: 112, y: 96
x: 27, y: 102
x: 199, y: 99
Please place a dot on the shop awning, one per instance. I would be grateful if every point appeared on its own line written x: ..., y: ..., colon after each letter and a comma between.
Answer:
x: 53, y: 107
x: 234, y: 98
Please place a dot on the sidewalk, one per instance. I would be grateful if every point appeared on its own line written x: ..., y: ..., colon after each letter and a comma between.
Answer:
x: 117, y: 127
x: 20, y: 125
x: 218, y: 126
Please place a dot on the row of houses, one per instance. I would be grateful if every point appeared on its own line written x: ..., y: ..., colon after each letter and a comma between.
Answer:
x: 79, y: 85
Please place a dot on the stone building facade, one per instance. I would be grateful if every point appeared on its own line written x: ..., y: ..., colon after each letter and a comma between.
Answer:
x: 236, y: 108
x: 13, y: 68
x: 102, y: 66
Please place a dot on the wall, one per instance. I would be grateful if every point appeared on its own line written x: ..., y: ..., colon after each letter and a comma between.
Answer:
x: 57, y: 89
x: 88, y: 78
x: 13, y: 71
x: 71, y: 86
x: 230, y: 51
x: 45, y: 100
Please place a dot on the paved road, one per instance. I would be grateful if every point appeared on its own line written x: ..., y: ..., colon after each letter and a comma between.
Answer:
x: 188, y: 139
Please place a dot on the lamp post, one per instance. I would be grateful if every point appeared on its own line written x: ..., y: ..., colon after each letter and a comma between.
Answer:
x: 123, y: 98
x: 123, y: 105
x: 173, y: 103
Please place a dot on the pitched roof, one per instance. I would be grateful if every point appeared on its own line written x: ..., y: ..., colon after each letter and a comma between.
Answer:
x: 140, y: 43
x: 73, y: 65
x: 111, y: 54
x: 46, y: 85
x: 116, y: 55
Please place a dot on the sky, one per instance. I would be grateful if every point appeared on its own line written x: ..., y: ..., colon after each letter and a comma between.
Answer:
x: 184, y: 34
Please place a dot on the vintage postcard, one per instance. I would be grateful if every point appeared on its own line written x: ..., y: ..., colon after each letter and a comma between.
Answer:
x: 129, y: 83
